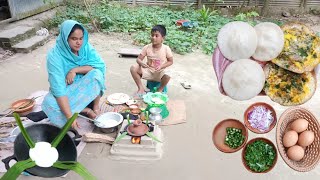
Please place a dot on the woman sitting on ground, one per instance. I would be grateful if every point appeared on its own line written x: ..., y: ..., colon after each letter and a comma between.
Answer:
x: 76, y: 75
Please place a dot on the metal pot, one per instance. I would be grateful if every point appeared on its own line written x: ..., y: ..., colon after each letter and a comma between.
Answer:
x: 101, y: 122
x: 155, y: 114
x: 45, y: 132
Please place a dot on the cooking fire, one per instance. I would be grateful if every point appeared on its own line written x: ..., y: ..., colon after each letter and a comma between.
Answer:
x: 135, y: 140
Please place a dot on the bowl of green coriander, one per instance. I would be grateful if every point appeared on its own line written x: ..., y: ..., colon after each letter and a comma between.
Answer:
x: 259, y: 155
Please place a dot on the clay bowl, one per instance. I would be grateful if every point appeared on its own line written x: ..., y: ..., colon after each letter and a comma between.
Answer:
x: 268, y: 142
x: 137, y: 129
x: 219, y: 133
x: 131, y: 101
x: 133, y: 106
x: 23, y: 105
x: 250, y: 109
x: 135, y: 111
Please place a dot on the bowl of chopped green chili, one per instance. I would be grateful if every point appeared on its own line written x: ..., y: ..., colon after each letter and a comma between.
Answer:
x: 259, y: 155
x: 229, y: 135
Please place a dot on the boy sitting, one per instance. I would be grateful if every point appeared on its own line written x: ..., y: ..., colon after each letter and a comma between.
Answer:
x: 159, y: 57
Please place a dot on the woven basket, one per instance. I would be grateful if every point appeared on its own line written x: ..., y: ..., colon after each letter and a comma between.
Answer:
x: 312, y: 154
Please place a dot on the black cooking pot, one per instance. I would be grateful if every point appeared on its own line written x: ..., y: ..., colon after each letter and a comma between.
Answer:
x: 45, y: 132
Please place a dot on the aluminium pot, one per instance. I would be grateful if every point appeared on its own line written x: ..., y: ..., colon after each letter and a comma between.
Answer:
x: 99, y: 122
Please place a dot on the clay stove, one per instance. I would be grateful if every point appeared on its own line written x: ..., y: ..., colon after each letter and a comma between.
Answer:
x: 137, y: 148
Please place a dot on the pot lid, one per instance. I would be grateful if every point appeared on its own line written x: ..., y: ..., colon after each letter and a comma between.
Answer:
x: 140, y: 130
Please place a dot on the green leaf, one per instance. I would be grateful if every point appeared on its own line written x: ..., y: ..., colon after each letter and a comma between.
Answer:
x: 153, y: 137
x: 64, y: 131
x: 15, y: 171
x: 302, y: 52
x: 120, y: 137
x: 76, y: 167
x: 128, y: 119
x: 23, y: 131
x: 252, y: 14
x: 147, y: 117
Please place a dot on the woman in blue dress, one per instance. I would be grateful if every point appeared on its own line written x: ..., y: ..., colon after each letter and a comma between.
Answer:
x: 76, y: 76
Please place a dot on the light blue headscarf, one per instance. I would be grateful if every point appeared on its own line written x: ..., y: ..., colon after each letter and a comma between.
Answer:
x: 61, y: 60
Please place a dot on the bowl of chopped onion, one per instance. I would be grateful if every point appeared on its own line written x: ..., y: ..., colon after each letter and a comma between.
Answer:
x: 260, y: 118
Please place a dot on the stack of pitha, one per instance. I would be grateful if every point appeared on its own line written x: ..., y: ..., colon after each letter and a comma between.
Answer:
x: 269, y: 47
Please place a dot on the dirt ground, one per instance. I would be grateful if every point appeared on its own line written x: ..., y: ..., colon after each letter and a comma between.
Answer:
x: 188, y: 149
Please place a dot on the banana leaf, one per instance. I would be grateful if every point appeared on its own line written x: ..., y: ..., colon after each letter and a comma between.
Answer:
x: 76, y: 167
x: 15, y: 171
x: 147, y: 117
x: 23, y: 131
x: 64, y: 131
x: 120, y: 137
x: 153, y: 137
x: 128, y: 119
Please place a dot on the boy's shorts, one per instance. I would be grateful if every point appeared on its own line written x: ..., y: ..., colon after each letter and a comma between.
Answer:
x: 150, y: 75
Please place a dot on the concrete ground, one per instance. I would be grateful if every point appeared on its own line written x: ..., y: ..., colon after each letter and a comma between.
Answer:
x: 188, y: 149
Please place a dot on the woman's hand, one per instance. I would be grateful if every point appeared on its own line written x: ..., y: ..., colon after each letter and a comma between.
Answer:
x: 97, y: 111
x: 70, y: 77
x: 75, y: 124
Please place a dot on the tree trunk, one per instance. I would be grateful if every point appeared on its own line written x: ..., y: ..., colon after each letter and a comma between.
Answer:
x: 199, y: 4
x: 250, y: 2
x: 244, y: 3
x: 265, y: 7
x: 303, y: 5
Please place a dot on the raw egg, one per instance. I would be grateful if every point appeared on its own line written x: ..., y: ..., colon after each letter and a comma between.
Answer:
x: 306, y: 138
x: 290, y: 138
x: 295, y: 153
x: 299, y: 125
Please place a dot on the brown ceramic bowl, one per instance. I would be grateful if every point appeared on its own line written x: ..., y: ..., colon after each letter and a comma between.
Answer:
x: 135, y: 111
x: 252, y: 141
x: 23, y: 105
x: 250, y: 108
x: 219, y: 133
